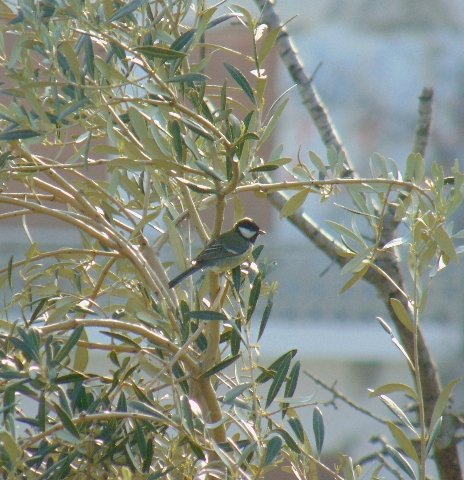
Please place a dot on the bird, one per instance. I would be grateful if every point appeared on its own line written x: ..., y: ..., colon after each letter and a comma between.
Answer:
x: 225, y: 252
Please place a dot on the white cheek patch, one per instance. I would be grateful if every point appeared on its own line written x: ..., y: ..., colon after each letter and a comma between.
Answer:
x: 246, y: 232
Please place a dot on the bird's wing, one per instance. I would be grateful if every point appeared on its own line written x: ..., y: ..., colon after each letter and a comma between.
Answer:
x: 217, y: 251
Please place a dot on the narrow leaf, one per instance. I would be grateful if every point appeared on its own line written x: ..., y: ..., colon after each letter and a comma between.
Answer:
x: 393, y: 387
x: 207, y: 315
x: 288, y: 439
x: 19, y: 134
x: 279, y: 379
x: 152, y: 51
x: 188, y: 77
x: 123, y: 338
x: 66, y: 420
x: 241, y: 80
x: 253, y: 297
x: 220, y: 366
x: 126, y: 10
x: 318, y: 163
x: 72, y: 108
x: 318, y: 429
x: 346, y: 232
x: 264, y: 377
x: 442, y: 402
x: 10, y: 272
x: 403, y: 441
x: 401, y: 462
x: 358, y: 262
x: 297, y: 427
x: 292, y: 381
x: 67, y: 347
x: 266, y: 314
x: 235, y: 392
x: 267, y: 45
x: 294, y: 203
x: 402, y: 314
x: 433, y: 435
x: 272, y: 450
x: 354, y: 279
x: 268, y: 167
x: 393, y: 407
x: 445, y: 243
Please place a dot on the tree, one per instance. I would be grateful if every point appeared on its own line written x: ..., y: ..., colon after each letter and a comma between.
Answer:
x: 123, y: 86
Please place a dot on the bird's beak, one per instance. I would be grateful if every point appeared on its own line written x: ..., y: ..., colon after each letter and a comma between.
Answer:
x: 261, y: 232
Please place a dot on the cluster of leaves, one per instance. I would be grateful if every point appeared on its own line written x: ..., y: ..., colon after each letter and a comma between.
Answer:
x: 429, y: 244
x: 121, y: 88
x: 105, y: 84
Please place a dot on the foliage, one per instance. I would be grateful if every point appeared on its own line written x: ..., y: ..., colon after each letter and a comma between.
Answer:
x: 121, y: 88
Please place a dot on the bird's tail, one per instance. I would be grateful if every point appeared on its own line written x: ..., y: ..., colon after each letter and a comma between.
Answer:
x: 182, y: 275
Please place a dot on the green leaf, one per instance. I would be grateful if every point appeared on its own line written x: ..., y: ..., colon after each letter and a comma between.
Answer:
x: 358, y: 262
x: 195, y: 128
x: 402, y: 314
x: 272, y: 450
x: 318, y: 163
x: 393, y: 387
x: 288, y: 439
x: 10, y: 272
x: 318, y: 429
x: 10, y: 446
x: 68, y: 52
x: 273, y: 121
x: 197, y: 450
x: 246, y: 136
x: 268, y: 167
x: 297, y: 427
x: 89, y: 55
x: 442, y: 401
x: 148, y: 409
x: 266, y: 314
x: 220, y: 366
x: 401, y: 462
x: 403, y: 441
x: 294, y: 203
x: 126, y: 10
x: 433, y: 435
x: 292, y: 381
x: 27, y: 347
x: 234, y: 392
x: 109, y: 72
x: 123, y: 338
x: 241, y: 80
x: 265, y: 376
x: 332, y: 158
x: 445, y: 243
x: 346, y: 232
x: 67, y: 347
x: 207, y: 315
x: 72, y: 108
x: 354, y: 279
x: 279, y: 378
x: 151, y: 51
x: 255, y: 290
x: 66, y: 420
x: 393, y: 407
x: 267, y: 44
x: 197, y: 188
x: 70, y: 378
x: 188, y: 77
x: 187, y: 415
x: 19, y: 134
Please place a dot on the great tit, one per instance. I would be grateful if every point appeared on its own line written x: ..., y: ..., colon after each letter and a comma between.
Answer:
x: 225, y: 252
